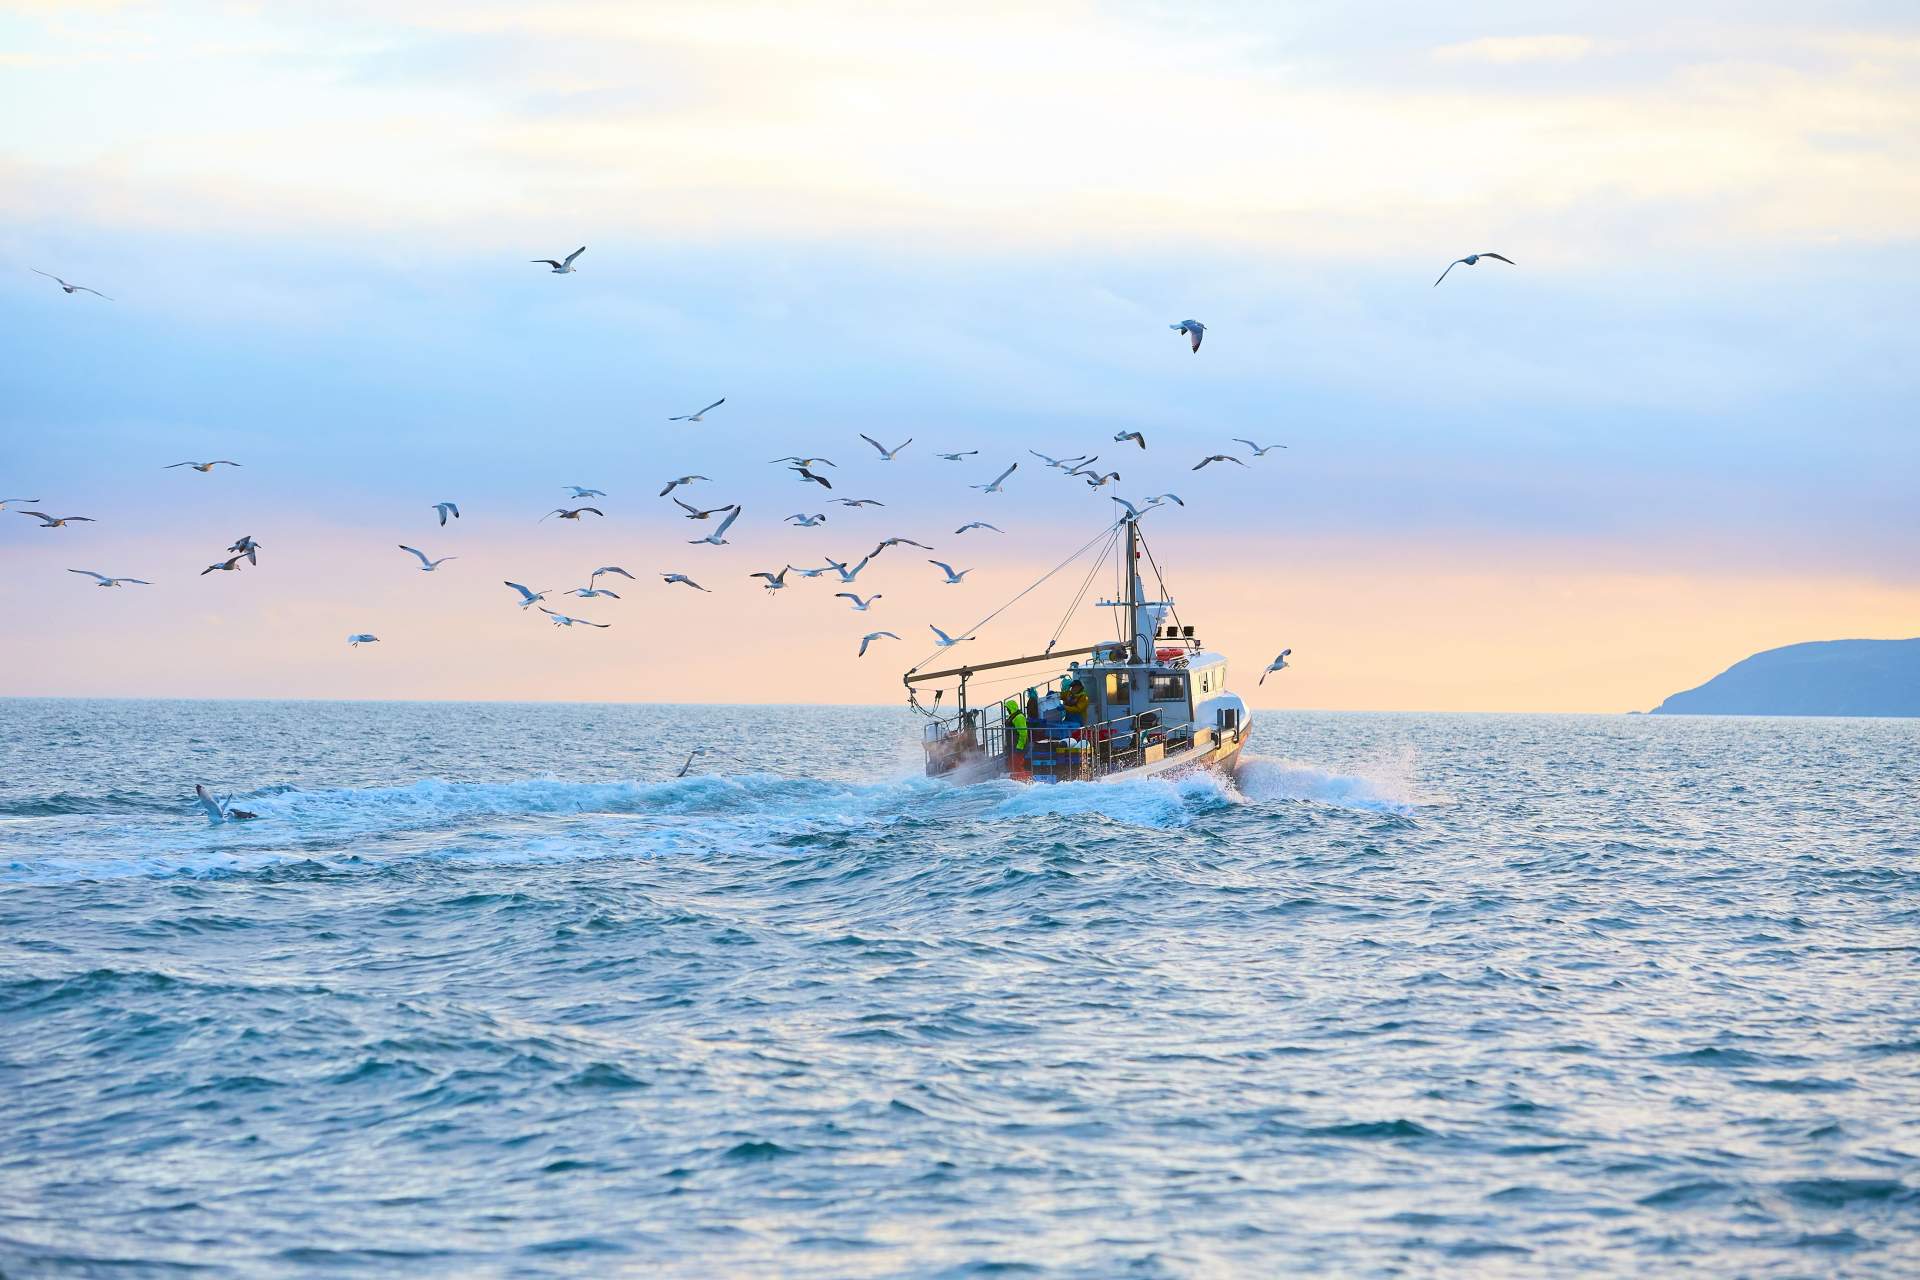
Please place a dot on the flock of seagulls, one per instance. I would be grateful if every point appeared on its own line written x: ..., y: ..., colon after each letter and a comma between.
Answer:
x: 807, y: 470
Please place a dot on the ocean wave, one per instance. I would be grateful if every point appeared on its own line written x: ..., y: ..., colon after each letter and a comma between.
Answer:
x: 1386, y: 789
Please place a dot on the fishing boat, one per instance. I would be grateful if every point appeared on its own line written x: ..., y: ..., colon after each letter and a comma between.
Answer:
x: 1153, y: 701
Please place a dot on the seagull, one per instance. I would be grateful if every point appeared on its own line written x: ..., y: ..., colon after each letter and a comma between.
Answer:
x: 605, y: 569
x: 804, y: 521
x: 683, y: 579
x: 1084, y: 467
x: 846, y: 574
x: 946, y: 641
x: 1468, y: 261
x: 1278, y: 664
x: 247, y: 547
x: 978, y: 524
x: 718, y: 537
x: 5, y: 501
x: 699, y: 415
x: 870, y: 637
x: 1121, y: 437
x: 886, y: 454
x: 202, y: 467
x: 1133, y: 512
x: 57, y: 522
x: 68, y: 288
x: 831, y: 566
x: 1259, y: 451
x: 805, y: 462
x: 446, y: 509
x: 562, y: 620
x: 995, y: 486
x: 697, y: 751
x: 695, y: 513
x: 562, y: 268
x: 858, y: 502
x: 1218, y: 457
x: 899, y: 542
x: 955, y: 457
x: 1192, y: 328
x: 775, y: 581
x: 953, y: 579
x: 230, y: 566
x: 805, y: 474
x: 426, y: 565
x: 102, y: 580
x: 859, y: 605
x: 365, y: 637
x: 574, y: 514
x: 589, y: 592
x: 1061, y: 463
x: 575, y: 491
x: 677, y: 481
x: 1159, y: 498
x: 1095, y: 481
x: 527, y: 596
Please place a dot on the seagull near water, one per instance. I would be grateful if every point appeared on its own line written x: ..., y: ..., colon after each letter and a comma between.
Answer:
x: 997, y: 480
x: 859, y: 605
x: 870, y: 637
x: 1218, y: 457
x: 1121, y: 437
x: 677, y: 481
x: 697, y: 751
x: 364, y: 637
x: 886, y: 454
x: 718, y: 537
x: 684, y: 580
x: 446, y: 509
x: 426, y: 565
x: 944, y: 640
x: 573, y: 514
x: 57, y: 522
x: 202, y: 467
x: 562, y: 620
x: 1278, y: 664
x: 565, y: 267
x: 1469, y: 261
x: 698, y: 415
x: 1259, y: 451
x: 1192, y: 328
x: 69, y: 288
x: 953, y: 579
x: 528, y: 595
x: 102, y: 580
x: 978, y: 524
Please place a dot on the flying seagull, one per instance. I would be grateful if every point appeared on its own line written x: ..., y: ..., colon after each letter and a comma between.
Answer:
x: 1218, y: 457
x: 805, y: 474
x: 527, y: 595
x: 611, y: 568
x: 1133, y: 512
x: 829, y: 567
x: 1084, y: 467
x: 562, y: 620
x: 426, y: 565
x: 1096, y: 480
x: 870, y: 637
x: 1061, y: 463
x: 102, y: 580
x: 247, y: 547
x: 574, y: 514
x: 899, y: 542
x: 979, y: 524
x: 801, y: 520
x: 69, y: 288
x: 698, y: 415
x: 859, y: 605
x: 886, y: 454
x: 775, y: 581
x: 57, y: 522
x: 1159, y: 498
x: 683, y: 579
x: 953, y: 579
x: 677, y: 481
x: 589, y: 591
x: 565, y: 267
x: 697, y: 513
x: 364, y: 637
x: 1468, y: 261
x: 946, y: 641
x: 718, y: 537
x: 446, y: 509
x: 202, y: 467
x: 955, y: 457
x: 5, y: 501
x: 697, y: 751
x: 1278, y: 664
x: 803, y: 462
x: 228, y: 566
x: 1259, y: 451
x: 846, y: 574
x: 858, y: 502
x: 1192, y: 328
x: 998, y: 480
x: 1121, y: 437
x: 575, y: 491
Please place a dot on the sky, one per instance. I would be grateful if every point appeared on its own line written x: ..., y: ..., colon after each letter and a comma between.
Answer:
x: 1678, y: 431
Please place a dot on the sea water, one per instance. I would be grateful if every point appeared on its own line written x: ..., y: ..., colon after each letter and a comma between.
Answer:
x: 487, y: 991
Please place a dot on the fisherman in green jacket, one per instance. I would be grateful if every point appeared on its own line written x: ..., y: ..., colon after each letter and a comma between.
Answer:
x: 1016, y: 727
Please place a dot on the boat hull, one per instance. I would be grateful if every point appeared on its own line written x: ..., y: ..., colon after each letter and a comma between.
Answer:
x: 1220, y: 753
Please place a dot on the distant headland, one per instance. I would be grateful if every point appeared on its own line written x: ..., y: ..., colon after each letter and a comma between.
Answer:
x: 1820, y: 678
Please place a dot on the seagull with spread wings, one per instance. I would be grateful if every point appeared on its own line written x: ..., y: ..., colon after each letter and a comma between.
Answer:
x: 978, y: 524
x: 69, y: 288
x: 1259, y: 451
x: 102, y: 580
x: 202, y: 467
x: 997, y: 480
x: 698, y: 415
x: 573, y: 514
x: 718, y: 537
x: 1218, y: 457
x: 528, y: 595
x: 57, y: 522
x: 859, y: 605
x: 677, y: 481
x: 1139, y: 438
x: 699, y: 513
x: 944, y: 640
x: 683, y: 580
x: 1469, y: 261
x: 886, y: 454
x: 870, y: 637
x: 426, y: 565
x: 1193, y: 329
x: 564, y: 267
x: 446, y: 509
x: 562, y: 620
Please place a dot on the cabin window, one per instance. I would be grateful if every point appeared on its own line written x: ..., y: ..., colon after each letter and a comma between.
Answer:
x: 1167, y: 688
x: 1119, y: 689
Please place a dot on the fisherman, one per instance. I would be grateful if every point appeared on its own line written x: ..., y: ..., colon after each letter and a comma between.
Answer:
x: 1016, y: 723
x: 1074, y: 703
x: 217, y: 810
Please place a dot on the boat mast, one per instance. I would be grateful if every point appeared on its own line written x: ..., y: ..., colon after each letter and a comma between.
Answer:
x: 1138, y: 640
